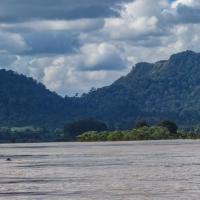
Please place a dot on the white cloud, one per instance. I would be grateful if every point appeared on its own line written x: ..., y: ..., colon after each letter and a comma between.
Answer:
x: 63, y: 76
x: 141, y: 8
x: 138, y: 19
x: 94, y: 65
x: 101, y: 56
x: 130, y: 28
x: 71, y: 56
x: 192, y: 3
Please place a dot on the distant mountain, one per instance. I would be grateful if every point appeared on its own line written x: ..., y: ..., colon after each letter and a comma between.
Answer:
x: 153, y: 91
x: 163, y: 90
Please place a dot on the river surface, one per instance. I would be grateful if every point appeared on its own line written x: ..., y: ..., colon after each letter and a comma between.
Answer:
x: 149, y: 170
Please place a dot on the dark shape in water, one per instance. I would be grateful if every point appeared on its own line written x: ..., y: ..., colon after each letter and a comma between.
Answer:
x: 8, y: 159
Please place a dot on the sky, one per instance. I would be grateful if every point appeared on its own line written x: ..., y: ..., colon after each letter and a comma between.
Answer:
x: 73, y: 45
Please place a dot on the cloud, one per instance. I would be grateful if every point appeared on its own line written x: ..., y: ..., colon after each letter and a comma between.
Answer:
x: 71, y: 46
x: 191, y: 3
x: 11, y: 42
x: 184, y: 11
x: 101, y: 56
x: 6, y: 60
x: 57, y: 76
x: 23, y: 10
x: 138, y: 20
x: 49, y: 37
x: 50, y: 42
x: 93, y: 65
x: 188, y: 14
x: 55, y: 25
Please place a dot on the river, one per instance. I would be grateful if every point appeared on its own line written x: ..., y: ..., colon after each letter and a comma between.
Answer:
x: 146, y: 170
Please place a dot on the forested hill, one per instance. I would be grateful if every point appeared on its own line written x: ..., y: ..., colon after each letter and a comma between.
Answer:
x: 163, y: 90
x: 23, y: 101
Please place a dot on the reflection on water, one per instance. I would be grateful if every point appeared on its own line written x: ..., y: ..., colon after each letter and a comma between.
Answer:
x: 148, y: 170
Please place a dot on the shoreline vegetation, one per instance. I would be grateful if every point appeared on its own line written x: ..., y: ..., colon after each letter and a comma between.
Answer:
x: 91, y: 130
x: 165, y: 130
x: 30, y: 134
x: 145, y: 133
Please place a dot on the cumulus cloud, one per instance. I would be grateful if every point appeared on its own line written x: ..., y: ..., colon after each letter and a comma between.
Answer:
x: 137, y: 19
x: 72, y: 46
x: 101, y: 56
x: 93, y: 65
x: 76, y: 81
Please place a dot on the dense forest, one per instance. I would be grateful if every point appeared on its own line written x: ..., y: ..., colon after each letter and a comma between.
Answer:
x: 163, y: 90
x: 24, y: 102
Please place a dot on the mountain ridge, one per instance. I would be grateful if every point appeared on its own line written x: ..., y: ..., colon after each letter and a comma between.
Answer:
x: 167, y: 89
x: 160, y: 90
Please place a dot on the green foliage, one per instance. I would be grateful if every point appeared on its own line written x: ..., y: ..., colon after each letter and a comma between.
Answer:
x: 161, y: 132
x: 89, y: 136
x: 115, y: 136
x: 143, y: 133
x: 151, y: 133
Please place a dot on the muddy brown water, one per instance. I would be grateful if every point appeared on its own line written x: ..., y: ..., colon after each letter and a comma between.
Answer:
x: 149, y: 170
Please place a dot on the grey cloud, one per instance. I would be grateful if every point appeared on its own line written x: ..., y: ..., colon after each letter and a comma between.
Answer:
x: 51, y: 42
x: 188, y: 14
x: 46, y: 37
x: 11, y: 43
x: 23, y: 10
x: 6, y: 60
x: 182, y: 14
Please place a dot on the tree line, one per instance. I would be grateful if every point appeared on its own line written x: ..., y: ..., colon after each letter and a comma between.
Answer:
x: 88, y: 130
x: 142, y: 131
